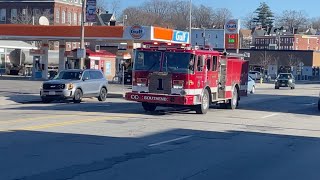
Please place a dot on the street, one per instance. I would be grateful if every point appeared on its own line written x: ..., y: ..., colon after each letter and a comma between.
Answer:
x: 273, y: 135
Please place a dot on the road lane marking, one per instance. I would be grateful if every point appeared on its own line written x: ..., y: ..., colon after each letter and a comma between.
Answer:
x: 41, y: 118
x: 73, y: 122
x: 270, y: 115
x: 168, y: 141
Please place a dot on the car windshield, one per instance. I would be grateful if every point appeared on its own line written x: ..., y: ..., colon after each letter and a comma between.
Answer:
x: 73, y: 75
x: 177, y: 62
x: 284, y: 76
x: 147, y: 61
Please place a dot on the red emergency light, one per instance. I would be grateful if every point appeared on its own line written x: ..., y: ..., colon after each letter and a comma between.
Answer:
x: 164, y: 45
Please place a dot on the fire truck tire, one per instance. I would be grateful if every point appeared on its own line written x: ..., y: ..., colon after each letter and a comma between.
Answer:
x: 149, y: 107
x: 205, y: 104
x: 233, y: 102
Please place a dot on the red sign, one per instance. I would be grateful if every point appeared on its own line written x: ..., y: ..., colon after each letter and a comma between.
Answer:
x: 231, y: 41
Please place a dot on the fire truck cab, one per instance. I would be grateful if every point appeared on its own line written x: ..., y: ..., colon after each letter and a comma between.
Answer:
x: 182, y: 76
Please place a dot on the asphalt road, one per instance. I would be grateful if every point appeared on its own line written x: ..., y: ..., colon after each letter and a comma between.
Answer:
x: 273, y: 135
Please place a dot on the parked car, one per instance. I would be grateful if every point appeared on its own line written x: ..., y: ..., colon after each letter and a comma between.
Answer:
x: 285, y: 80
x: 255, y: 75
x: 251, y: 85
x: 75, y: 85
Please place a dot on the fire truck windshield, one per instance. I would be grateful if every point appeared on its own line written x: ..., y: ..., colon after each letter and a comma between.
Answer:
x: 173, y: 62
x: 147, y: 61
x: 176, y: 62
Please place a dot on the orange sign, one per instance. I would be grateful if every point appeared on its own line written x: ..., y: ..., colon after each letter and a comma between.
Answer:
x: 163, y: 34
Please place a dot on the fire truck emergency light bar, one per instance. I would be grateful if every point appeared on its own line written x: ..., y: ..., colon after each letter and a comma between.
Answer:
x: 164, y: 46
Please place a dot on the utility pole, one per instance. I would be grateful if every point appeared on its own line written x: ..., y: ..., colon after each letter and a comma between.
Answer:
x: 190, y: 21
x: 204, y: 37
x: 82, y: 43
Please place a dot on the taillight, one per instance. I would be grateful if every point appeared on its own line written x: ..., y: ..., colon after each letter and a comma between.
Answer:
x: 177, y: 84
x: 142, y: 82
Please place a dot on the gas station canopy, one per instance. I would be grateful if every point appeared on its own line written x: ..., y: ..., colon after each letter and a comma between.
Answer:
x: 134, y: 33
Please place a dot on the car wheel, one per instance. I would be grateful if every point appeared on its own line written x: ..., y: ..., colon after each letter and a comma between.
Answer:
x: 103, y: 94
x: 319, y: 105
x: 205, y: 103
x: 253, y: 90
x: 233, y: 103
x: 276, y: 87
x: 149, y: 107
x: 46, y: 100
x: 77, y: 96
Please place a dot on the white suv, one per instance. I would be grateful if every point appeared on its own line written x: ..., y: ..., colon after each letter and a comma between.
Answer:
x: 75, y: 84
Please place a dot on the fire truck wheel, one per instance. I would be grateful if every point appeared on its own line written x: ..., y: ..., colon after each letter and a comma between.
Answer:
x: 149, y: 107
x: 233, y: 103
x: 204, y: 106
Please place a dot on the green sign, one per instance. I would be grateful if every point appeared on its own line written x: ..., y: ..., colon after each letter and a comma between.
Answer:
x: 232, y: 41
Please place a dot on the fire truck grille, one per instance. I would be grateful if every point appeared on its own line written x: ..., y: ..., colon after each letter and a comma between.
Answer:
x: 160, y: 83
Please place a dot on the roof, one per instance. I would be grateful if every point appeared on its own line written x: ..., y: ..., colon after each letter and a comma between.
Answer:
x: 104, y: 19
x: 16, y: 44
x: 245, y: 32
x: 259, y: 32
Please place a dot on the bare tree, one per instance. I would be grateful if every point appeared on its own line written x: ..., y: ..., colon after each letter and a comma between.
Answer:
x: 248, y: 21
x: 292, y: 19
x: 265, y: 60
x: 315, y: 23
x: 29, y: 16
x: 293, y: 60
x: 102, y: 5
x: 179, y: 16
x: 203, y: 16
x: 115, y: 6
x: 220, y: 16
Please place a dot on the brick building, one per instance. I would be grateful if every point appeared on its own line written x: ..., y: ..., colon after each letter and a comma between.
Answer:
x: 58, y: 12
x: 304, y: 64
x: 288, y: 42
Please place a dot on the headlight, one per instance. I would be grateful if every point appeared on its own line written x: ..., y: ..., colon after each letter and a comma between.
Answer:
x: 41, y: 86
x: 178, y: 84
x: 69, y: 86
x: 276, y: 80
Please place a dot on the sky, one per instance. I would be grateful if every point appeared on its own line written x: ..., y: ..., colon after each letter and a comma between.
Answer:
x: 240, y: 8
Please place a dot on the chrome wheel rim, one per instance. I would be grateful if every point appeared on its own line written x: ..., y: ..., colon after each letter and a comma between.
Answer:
x: 205, y: 101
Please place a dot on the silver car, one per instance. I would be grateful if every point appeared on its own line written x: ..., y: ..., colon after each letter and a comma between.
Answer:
x: 75, y: 85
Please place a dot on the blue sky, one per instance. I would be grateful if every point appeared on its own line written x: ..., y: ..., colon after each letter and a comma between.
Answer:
x: 240, y: 8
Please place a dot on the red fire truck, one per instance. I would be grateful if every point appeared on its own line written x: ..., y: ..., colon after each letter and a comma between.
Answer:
x: 178, y: 76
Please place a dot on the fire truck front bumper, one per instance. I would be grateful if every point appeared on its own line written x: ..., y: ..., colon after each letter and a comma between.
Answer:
x: 162, y: 99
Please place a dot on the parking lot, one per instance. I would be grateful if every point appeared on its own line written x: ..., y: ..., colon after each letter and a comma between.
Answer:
x: 273, y: 135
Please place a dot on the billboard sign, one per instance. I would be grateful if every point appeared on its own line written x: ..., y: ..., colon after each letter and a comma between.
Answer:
x: 91, y: 11
x: 232, y: 26
x: 180, y: 36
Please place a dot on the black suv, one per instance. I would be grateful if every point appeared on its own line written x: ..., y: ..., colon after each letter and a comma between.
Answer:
x: 285, y: 80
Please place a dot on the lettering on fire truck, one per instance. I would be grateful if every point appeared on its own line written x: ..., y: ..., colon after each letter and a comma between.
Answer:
x: 150, y: 98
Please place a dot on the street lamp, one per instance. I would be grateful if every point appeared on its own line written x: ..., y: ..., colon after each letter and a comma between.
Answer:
x: 82, y: 44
